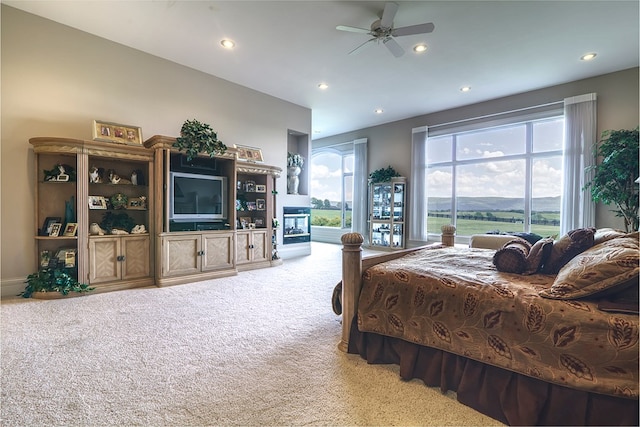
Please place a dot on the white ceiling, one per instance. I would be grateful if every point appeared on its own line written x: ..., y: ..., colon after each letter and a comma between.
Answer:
x: 286, y: 48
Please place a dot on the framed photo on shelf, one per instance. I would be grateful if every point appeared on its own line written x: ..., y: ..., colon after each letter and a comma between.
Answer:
x: 48, y: 223
x: 252, y: 206
x: 260, y: 204
x: 259, y: 222
x: 45, y: 258
x: 115, y: 132
x: 55, y: 229
x: 249, y: 154
x: 250, y: 186
x: 137, y: 203
x: 260, y: 188
x: 97, y: 202
x: 71, y: 229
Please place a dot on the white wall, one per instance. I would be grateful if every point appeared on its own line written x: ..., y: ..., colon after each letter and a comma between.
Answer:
x: 56, y: 80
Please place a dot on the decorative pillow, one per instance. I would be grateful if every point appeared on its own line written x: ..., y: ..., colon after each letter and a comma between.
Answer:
x: 569, y: 245
x: 512, y: 257
x: 604, y: 234
x: 538, y: 254
x: 605, y: 269
x: 529, y: 237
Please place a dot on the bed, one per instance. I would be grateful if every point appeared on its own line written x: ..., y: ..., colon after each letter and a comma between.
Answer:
x: 523, y: 348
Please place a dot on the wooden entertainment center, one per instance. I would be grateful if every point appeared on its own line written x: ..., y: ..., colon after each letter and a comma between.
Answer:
x: 122, y: 185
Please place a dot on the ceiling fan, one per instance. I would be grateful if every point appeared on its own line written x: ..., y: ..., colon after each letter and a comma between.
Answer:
x: 382, y: 31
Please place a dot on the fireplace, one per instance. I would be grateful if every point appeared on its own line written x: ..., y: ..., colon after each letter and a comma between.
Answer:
x: 297, y: 225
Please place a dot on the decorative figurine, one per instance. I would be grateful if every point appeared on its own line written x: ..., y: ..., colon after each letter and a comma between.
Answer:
x: 96, y: 175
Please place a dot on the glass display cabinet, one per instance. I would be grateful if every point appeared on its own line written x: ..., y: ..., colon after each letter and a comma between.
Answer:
x: 387, y: 215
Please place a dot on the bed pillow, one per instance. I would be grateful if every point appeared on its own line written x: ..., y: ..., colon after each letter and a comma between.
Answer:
x: 567, y: 247
x: 512, y: 256
x: 603, y: 234
x: 538, y: 254
x: 603, y: 270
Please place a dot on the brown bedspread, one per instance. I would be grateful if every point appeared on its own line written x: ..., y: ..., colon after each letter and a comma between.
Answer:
x: 455, y: 300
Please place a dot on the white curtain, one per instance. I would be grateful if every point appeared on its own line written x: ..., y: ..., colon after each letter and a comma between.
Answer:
x: 418, y: 191
x: 360, y: 186
x: 577, y: 209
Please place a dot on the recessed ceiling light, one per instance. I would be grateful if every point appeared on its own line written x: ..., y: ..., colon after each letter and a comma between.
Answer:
x: 465, y: 88
x: 588, y: 56
x: 419, y: 48
x: 378, y: 111
x: 228, y: 44
x: 323, y: 86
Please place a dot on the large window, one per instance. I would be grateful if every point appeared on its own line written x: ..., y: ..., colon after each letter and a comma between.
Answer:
x: 506, y: 179
x: 332, y: 188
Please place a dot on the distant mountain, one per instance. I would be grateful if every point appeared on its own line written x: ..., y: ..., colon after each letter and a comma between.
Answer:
x: 484, y: 204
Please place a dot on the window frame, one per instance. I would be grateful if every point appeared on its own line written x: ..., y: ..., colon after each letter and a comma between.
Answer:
x: 529, y: 157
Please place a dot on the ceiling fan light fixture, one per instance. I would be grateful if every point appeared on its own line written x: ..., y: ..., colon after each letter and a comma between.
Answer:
x: 228, y: 43
x: 588, y: 56
x: 419, y: 48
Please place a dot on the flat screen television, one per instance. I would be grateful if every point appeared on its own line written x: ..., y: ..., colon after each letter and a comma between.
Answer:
x: 196, y: 197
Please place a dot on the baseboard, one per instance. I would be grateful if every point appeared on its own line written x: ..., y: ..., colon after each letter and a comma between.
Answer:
x: 11, y: 287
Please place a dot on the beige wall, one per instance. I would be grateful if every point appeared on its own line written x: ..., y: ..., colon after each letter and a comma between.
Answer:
x: 57, y: 80
x: 618, y: 95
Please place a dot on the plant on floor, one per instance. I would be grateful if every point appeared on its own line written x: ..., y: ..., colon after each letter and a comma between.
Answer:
x: 614, y: 180
x: 196, y: 137
x: 382, y: 175
x: 53, y: 280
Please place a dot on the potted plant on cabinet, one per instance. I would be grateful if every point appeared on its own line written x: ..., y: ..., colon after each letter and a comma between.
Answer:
x: 196, y: 137
x: 53, y: 280
x: 614, y: 180
x: 294, y: 167
x: 382, y: 175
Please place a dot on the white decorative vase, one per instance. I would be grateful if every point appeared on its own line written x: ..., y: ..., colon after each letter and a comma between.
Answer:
x: 293, y: 181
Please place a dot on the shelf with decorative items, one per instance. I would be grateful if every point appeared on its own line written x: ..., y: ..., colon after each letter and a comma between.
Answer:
x: 85, y: 186
x: 387, y: 217
x: 255, y: 210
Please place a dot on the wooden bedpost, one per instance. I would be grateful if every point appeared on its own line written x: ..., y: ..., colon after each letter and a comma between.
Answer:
x: 351, y: 282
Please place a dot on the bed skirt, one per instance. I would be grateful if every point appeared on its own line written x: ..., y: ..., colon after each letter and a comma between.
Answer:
x: 506, y: 396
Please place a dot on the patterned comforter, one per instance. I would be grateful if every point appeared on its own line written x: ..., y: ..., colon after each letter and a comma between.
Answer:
x: 455, y: 300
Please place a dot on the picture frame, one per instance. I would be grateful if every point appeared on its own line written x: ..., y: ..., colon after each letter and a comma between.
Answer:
x: 71, y: 229
x: 249, y: 154
x: 259, y: 222
x: 261, y: 204
x: 116, y: 132
x: 252, y: 206
x: 48, y: 222
x: 97, y: 202
x: 55, y: 229
x: 45, y: 258
x: 261, y: 188
x: 250, y: 186
x: 137, y: 203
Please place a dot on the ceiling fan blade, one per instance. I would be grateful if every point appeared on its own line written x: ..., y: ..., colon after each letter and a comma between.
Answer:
x: 352, y: 29
x: 388, y: 14
x: 360, y: 48
x: 394, y: 47
x: 413, y: 29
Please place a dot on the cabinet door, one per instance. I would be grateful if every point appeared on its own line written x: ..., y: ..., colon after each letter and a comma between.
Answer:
x: 181, y: 255
x: 218, y: 251
x: 135, y: 253
x: 260, y: 246
x: 104, y: 265
x: 243, y: 248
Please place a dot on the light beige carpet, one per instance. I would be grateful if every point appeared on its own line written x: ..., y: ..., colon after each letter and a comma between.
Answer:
x: 257, y: 349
